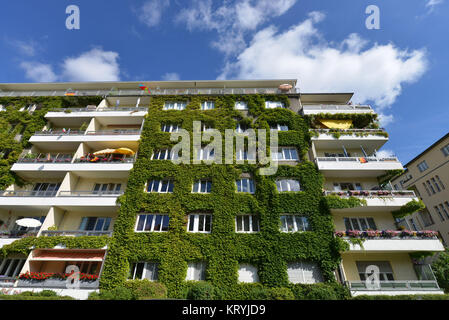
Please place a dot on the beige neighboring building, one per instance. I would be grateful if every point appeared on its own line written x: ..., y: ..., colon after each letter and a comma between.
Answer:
x: 428, y: 175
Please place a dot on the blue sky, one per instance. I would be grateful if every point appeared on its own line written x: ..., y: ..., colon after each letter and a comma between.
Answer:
x: 401, y: 69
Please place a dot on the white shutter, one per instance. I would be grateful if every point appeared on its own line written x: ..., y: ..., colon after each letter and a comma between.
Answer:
x: 248, y: 273
x: 304, y: 272
x: 196, y: 271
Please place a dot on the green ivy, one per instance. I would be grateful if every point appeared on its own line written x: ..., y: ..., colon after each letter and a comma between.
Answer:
x: 223, y: 249
x: 409, y: 208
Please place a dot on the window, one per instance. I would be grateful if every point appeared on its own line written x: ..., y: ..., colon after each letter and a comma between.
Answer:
x: 91, y: 267
x: 279, y: 127
x: 164, y: 154
x: 437, y: 210
x: 144, y: 270
x: 200, y: 223
x: 241, y: 128
x: 444, y: 210
x: 385, y: 271
x: 240, y: 105
x: 436, y: 185
x: 345, y: 186
x: 174, y: 106
x: 160, y: 186
x: 207, y: 105
x: 95, y: 224
x: 2, y: 107
x: 445, y: 150
x: 247, y: 223
x: 294, y: 223
x: 167, y: 127
x: 152, y: 223
x: 245, y: 185
x: 422, y: 166
x: 361, y: 224
x: 45, y: 189
x: 107, y: 188
x: 430, y: 186
x: 202, y: 186
x: 441, y: 182
x: 427, y: 218
x: 412, y: 223
x: 427, y: 189
x: 205, y: 154
x: 196, y: 271
x: 285, y: 154
x: 206, y: 127
x: 11, y: 267
x: 286, y: 185
x: 274, y: 104
x: 304, y: 272
x: 244, y: 155
x: 248, y: 273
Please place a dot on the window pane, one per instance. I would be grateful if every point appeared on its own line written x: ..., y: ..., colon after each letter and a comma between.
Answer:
x: 299, y: 223
x: 290, y: 225
x: 191, y: 222
x: 355, y: 224
x: 246, y: 223
x: 239, y: 221
x: 201, y: 222
x: 157, y: 223
x: 170, y: 186
x: 99, y: 225
x: 196, y: 187
x: 208, y: 223
x: 209, y: 186
x: 139, y: 270
x: 165, y: 223
x: 148, y: 223
x: 255, y: 220
x: 203, y: 186
x: 251, y: 186
x: 164, y: 187
x: 371, y: 223
x: 363, y: 224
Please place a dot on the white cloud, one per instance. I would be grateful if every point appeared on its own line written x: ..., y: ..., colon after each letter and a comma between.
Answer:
x: 432, y: 3
x: 232, y: 20
x: 27, y: 48
x: 93, y: 65
x: 171, y: 76
x: 385, y: 154
x: 385, y: 120
x: 150, y: 13
x: 375, y: 73
x: 38, y: 72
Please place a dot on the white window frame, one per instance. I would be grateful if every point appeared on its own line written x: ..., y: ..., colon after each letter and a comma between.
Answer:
x: 241, y: 105
x: 161, y: 182
x: 196, y: 222
x: 105, y: 226
x: 304, y: 266
x: 254, y: 224
x: 279, y: 185
x: 206, y: 127
x: 200, y: 183
x: 238, y: 129
x: 155, y: 267
x: 279, y: 127
x: 295, y: 225
x: 248, y: 270
x: 153, y: 222
x: 178, y: 105
x: 200, y: 266
x: 207, y: 105
x: 274, y: 104
x: 244, y: 155
x: 167, y: 155
x: 171, y: 127
x: 249, y: 183
x: 200, y: 153
x: 359, y: 222
x: 284, y: 153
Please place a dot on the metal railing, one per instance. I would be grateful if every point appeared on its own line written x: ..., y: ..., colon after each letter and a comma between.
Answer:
x: 59, y: 133
x: 356, y: 159
x: 25, y: 193
x: 90, y: 193
x: 13, y: 234
x: 47, y: 158
x: 407, y: 285
x: 327, y: 107
x: 387, y: 234
x: 380, y: 130
x: 7, y: 282
x: 75, y: 233
x: 106, y: 160
x: 373, y: 193
x: 127, y: 109
x: 115, y: 132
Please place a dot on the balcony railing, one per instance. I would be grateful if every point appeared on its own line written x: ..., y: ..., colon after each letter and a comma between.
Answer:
x: 28, y: 193
x: 357, y: 159
x: 372, y: 193
x: 90, y: 193
x: 47, y: 158
x: 326, y: 107
x: 355, y: 131
x: 388, y: 234
x: 127, y: 109
x: 406, y: 285
x: 114, y: 132
x: 105, y: 160
x: 76, y: 233
x: 7, y: 282
x: 13, y: 234
x: 67, y: 132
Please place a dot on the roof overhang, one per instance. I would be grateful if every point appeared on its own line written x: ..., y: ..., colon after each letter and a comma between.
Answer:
x: 326, y: 98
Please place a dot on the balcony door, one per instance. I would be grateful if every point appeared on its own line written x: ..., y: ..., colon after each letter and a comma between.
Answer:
x: 107, y: 188
x: 95, y: 224
x: 385, y: 270
x: 45, y: 189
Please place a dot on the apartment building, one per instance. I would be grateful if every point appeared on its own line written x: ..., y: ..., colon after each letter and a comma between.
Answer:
x: 92, y: 166
x: 428, y: 176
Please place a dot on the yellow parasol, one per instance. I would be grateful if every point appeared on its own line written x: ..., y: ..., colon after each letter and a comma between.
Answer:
x: 336, y: 124
x: 105, y: 151
x: 125, y: 151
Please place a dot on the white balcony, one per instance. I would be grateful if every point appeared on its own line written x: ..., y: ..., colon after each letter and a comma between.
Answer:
x: 65, y: 199
x: 398, y: 245
x: 356, y: 166
x: 392, y: 288
x: 127, y: 135
x: 334, y: 109
x: 326, y: 139
x: 376, y: 200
